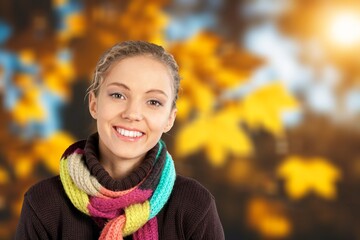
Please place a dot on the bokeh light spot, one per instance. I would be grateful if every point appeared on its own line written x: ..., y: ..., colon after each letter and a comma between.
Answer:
x: 345, y: 29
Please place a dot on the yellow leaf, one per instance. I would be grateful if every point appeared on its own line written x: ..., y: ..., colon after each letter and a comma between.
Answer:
x: 66, y: 71
x: 27, y: 57
x: 149, y: 18
x: 191, y: 138
x: 205, y: 75
x: 4, y: 176
x: 59, y: 74
x: 106, y: 38
x: 303, y: 176
x: 229, y: 78
x: 184, y: 108
x: 215, y: 153
x: 203, y: 98
x: 76, y: 23
x: 55, y: 144
x: 226, y: 132
x: 263, y: 108
x: 199, y: 95
x: 274, y: 226
x: 219, y: 134
x: 268, y: 218
x: 74, y: 26
x: 28, y: 108
x: 325, y: 178
x: 23, y: 166
x: 240, y: 171
x: 54, y: 83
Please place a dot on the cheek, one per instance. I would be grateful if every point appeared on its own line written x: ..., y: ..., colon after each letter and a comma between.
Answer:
x: 158, y: 122
x: 107, y: 109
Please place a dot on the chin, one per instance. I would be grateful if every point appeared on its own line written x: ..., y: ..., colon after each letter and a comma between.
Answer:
x: 125, y: 156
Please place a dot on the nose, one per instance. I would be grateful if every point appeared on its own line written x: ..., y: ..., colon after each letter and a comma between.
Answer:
x: 132, y: 112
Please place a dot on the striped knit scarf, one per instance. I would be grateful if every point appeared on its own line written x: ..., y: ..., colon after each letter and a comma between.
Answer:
x: 132, y: 211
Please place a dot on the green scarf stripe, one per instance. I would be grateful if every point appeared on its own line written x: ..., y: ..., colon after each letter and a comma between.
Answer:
x: 161, y: 146
x: 164, y: 188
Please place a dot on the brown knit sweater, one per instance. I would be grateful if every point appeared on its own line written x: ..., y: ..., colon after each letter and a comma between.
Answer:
x: 47, y: 212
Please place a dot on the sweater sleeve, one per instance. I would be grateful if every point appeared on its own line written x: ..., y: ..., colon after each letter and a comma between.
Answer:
x: 29, y: 226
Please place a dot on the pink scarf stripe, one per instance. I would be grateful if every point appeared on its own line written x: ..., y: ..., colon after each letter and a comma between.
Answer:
x: 149, y: 231
x: 103, y: 214
x: 109, y: 204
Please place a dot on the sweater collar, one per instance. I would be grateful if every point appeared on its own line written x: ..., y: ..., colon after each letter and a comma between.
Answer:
x: 91, y: 154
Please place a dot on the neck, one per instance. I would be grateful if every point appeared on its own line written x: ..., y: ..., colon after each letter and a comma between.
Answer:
x: 118, y: 168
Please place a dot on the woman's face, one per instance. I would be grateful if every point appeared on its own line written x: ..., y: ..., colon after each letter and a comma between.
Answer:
x: 133, y: 108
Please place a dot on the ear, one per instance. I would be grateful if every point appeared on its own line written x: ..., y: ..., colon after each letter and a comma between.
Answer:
x: 171, y: 120
x: 93, y: 104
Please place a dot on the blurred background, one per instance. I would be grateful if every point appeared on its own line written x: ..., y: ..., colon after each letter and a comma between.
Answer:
x: 269, y: 108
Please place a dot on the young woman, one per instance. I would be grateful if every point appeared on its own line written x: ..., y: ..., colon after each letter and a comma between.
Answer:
x: 121, y: 183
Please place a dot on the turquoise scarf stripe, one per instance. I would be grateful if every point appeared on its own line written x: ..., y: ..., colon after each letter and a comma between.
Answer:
x: 164, y: 188
x: 161, y: 146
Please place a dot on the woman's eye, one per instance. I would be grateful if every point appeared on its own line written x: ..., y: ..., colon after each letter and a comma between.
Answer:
x: 117, y: 95
x: 155, y: 103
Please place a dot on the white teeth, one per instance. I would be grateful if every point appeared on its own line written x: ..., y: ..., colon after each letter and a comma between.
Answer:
x: 128, y: 133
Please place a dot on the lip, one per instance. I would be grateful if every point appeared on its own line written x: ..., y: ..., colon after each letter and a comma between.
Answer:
x: 128, y: 138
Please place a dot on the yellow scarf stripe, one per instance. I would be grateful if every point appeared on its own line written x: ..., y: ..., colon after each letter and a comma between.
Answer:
x: 136, y: 216
x: 79, y: 198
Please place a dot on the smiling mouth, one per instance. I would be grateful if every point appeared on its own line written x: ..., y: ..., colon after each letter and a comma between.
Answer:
x: 128, y: 133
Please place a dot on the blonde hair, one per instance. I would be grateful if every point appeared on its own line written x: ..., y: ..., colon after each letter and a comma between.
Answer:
x: 130, y: 49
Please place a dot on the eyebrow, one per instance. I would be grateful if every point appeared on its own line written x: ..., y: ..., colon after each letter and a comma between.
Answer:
x: 118, y: 84
x: 157, y: 91
x: 127, y: 88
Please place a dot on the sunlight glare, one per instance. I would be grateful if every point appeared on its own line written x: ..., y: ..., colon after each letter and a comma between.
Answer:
x: 345, y: 29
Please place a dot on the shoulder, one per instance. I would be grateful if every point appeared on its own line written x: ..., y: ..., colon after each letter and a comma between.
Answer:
x: 46, y: 185
x: 46, y: 193
x: 190, y: 195
x: 194, y: 209
x: 192, y: 187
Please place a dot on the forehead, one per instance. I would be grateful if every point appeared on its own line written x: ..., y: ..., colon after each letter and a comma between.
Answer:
x: 144, y: 70
x: 140, y: 61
